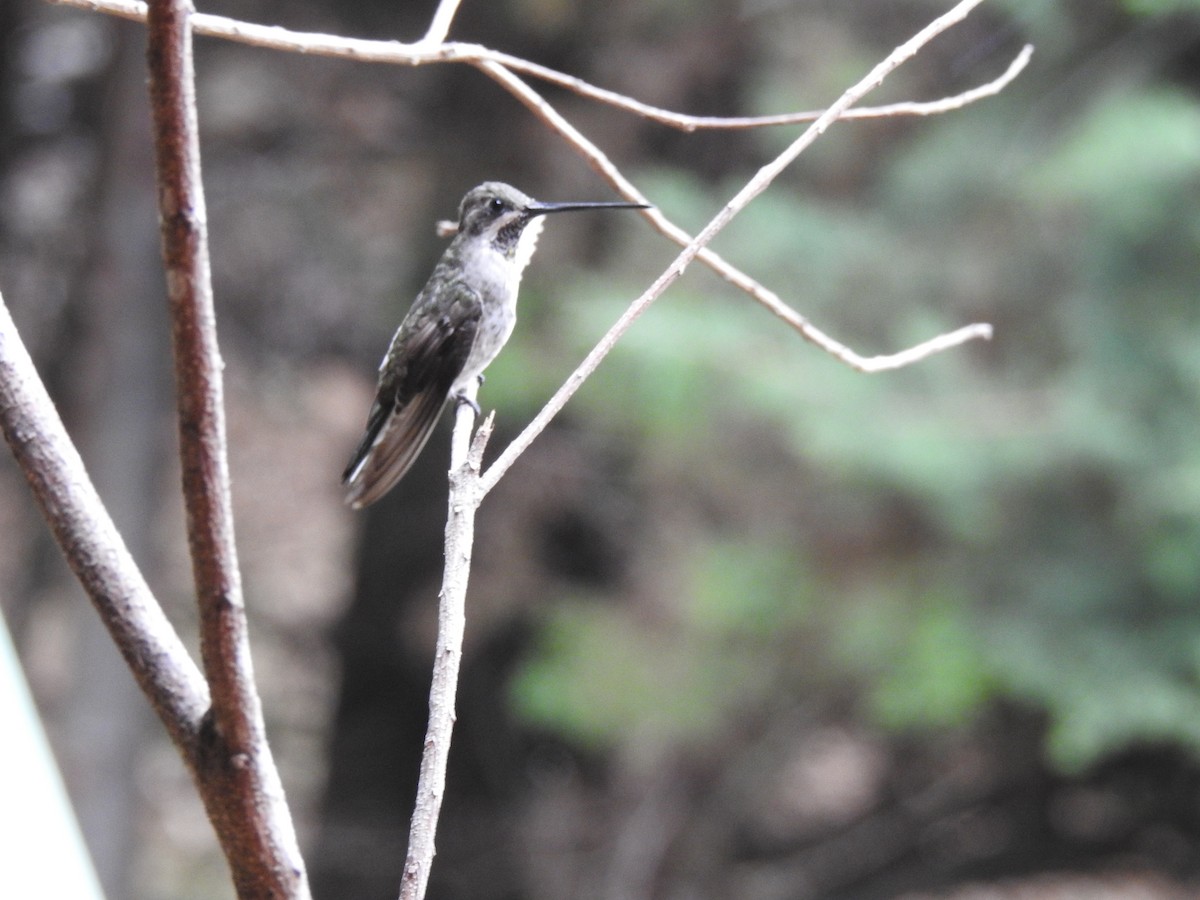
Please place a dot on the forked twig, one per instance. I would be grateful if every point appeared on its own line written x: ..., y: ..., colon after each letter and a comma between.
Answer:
x: 466, y: 456
x: 502, y: 67
x: 475, y: 486
x: 432, y: 48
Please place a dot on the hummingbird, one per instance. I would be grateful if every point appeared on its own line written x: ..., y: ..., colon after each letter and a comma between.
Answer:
x: 455, y: 328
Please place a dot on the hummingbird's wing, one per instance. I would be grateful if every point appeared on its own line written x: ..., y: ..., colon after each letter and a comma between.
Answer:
x: 425, y: 359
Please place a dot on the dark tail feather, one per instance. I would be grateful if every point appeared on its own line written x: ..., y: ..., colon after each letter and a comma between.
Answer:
x: 393, y: 441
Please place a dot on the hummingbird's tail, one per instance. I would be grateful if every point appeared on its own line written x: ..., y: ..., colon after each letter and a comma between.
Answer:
x: 392, y: 442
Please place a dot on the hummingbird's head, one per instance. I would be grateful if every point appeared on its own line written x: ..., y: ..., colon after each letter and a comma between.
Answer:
x: 496, y: 213
x: 502, y: 216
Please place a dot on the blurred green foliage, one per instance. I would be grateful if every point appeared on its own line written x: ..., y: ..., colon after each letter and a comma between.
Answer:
x: 601, y: 674
x: 1160, y: 7
x: 1019, y: 521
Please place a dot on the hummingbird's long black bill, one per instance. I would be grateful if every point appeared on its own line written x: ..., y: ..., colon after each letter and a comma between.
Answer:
x: 542, y: 209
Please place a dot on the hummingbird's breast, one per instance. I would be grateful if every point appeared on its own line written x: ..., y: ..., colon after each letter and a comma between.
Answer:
x: 496, y: 279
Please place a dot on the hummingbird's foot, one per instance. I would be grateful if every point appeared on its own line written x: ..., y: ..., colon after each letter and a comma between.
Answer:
x: 481, y: 379
x: 461, y: 399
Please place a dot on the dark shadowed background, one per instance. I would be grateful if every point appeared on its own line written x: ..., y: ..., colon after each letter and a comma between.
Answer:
x: 743, y: 623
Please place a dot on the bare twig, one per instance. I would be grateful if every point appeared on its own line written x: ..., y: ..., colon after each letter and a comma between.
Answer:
x: 465, y: 457
x: 752, y: 189
x: 240, y: 786
x: 734, y: 276
x: 689, y: 123
x: 431, y: 49
x: 93, y: 547
x: 439, y: 25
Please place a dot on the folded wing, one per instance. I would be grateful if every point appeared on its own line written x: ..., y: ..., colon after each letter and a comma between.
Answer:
x: 425, y: 359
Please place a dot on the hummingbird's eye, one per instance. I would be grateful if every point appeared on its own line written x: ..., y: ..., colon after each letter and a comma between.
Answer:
x: 496, y: 206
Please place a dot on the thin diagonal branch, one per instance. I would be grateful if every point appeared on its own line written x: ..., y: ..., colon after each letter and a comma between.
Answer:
x: 93, y: 547
x: 696, y: 246
x: 735, y: 276
x: 731, y: 274
x: 239, y: 784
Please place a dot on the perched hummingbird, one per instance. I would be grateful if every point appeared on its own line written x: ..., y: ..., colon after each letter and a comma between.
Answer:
x: 456, y: 326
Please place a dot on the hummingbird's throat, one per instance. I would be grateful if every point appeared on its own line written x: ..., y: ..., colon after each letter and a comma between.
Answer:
x: 520, y: 250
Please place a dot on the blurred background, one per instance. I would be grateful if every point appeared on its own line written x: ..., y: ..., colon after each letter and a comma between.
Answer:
x: 743, y: 623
